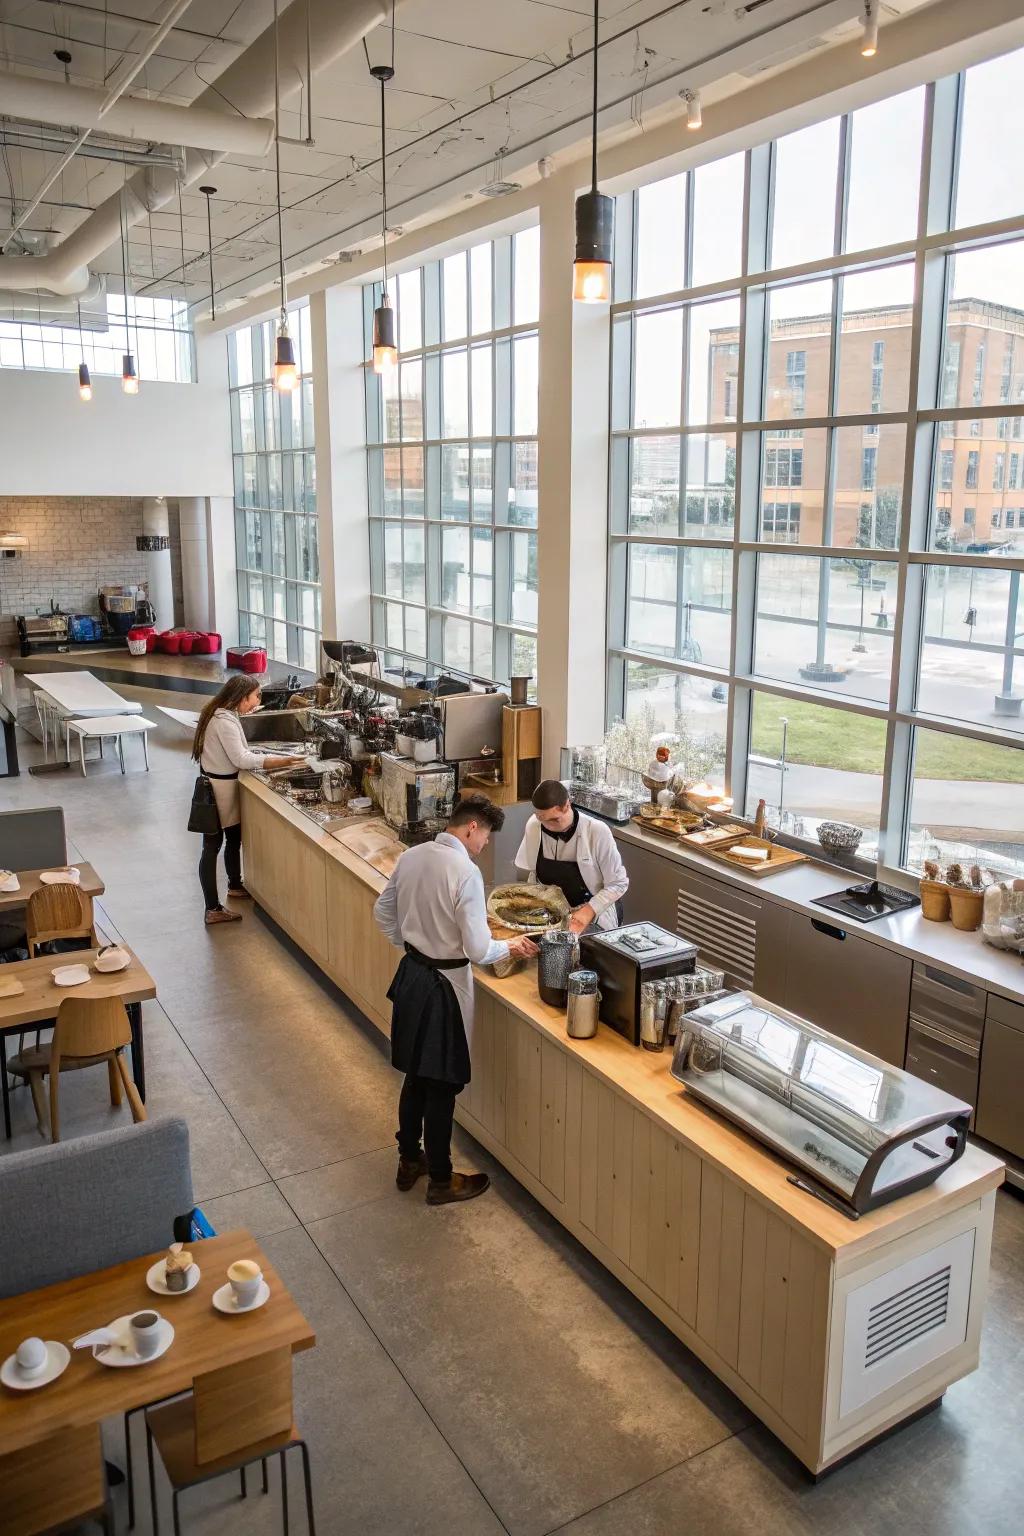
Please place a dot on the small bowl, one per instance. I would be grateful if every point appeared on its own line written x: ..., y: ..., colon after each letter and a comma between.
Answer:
x: 839, y: 836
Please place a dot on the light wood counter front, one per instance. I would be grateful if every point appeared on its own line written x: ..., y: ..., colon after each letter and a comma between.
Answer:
x: 791, y: 1304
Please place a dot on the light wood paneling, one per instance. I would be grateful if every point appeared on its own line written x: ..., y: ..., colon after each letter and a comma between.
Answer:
x: 51, y: 1484
x: 523, y: 1093
x: 287, y: 873
x: 360, y: 958
x: 242, y: 1404
x: 552, y: 1118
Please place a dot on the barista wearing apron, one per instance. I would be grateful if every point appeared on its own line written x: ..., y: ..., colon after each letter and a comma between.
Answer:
x: 433, y: 907
x: 562, y: 846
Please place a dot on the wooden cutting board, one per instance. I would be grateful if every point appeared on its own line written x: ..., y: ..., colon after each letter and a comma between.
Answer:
x: 10, y: 986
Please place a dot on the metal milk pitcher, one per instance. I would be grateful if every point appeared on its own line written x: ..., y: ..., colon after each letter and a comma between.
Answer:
x: 559, y: 954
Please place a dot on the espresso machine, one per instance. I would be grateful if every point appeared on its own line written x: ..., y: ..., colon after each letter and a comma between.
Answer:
x: 416, y: 798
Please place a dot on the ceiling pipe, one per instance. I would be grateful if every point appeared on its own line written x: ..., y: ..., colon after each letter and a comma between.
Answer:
x: 152, y: 122
x: 335, y: 27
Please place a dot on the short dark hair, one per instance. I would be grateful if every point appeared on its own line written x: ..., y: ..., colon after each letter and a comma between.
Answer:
x: 477, y: 808
x: 549, y: 795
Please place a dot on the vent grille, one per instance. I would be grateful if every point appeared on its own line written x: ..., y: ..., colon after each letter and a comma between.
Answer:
x: 724, y: 936
x: 907, y: 1316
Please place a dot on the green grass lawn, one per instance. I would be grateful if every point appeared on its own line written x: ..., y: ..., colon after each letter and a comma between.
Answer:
x: 831, y: 738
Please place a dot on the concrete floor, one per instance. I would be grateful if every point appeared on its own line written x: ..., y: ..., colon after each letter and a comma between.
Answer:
x: 476, y: 1371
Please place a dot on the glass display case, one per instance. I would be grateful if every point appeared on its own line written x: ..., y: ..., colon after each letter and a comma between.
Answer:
x: 865, y: 1132
x: 597, y: 785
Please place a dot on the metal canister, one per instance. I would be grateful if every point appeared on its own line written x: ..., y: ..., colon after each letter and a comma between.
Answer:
x: 559, y: 955
x: 653, y: 1015
x: 584, y: 1002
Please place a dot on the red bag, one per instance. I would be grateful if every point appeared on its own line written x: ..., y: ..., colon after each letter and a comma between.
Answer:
x: 206, y: 645
x: 151, y: 640
x: 247, y: 658
x: 185, y: 642
x: 169, y: 642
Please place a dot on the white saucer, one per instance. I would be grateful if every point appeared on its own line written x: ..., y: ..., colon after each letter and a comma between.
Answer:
x: 224, y: 1299
x: 156, y: 1279
x: 71, y: 876
x: 120, y: 1355
x: 57, y: 1357
x: 70, y: 975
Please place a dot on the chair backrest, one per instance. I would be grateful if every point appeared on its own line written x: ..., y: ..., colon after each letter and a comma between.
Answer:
x: 57, y: 911
x: 72, y: 1207
x: 90, y: 1026
x: 33, y: 839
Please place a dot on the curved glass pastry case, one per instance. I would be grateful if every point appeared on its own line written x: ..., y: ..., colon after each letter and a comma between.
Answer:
x: 860, y: 1130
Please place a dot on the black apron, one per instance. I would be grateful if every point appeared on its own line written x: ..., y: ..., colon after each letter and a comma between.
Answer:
x: 565, y: 873
x: 428, y: 1037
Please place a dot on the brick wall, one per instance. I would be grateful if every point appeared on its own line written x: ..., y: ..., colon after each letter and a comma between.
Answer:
x: 75, y: 546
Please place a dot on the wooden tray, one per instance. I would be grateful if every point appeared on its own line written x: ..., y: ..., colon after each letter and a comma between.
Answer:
x: 711, y: 838
x: 675, y: 824
x: 778, y: 858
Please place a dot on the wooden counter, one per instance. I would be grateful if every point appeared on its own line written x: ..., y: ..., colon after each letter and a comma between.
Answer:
x: 790, y: 1303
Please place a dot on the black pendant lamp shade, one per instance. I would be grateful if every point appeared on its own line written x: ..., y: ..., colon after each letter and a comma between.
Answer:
x: 385, y: 349
x: 129, y: 378
x: 286, y: 373
x: 595, y: 223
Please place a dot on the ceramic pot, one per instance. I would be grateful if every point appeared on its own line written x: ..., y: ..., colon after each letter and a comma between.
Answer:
x: 965, y: 904
x: 935, y: 901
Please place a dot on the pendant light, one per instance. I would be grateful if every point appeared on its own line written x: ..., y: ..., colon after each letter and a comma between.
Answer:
x: 84, y: 381
x: 285, y: 371
x: 869, y: 21
x: 208, y: 193
x: 595, y: 224
x: 129, y: 377
x: 385, y: 352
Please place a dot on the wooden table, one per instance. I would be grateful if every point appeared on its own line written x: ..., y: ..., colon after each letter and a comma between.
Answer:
x: 29, y: 882
x: 39, y: 1002
x: 239, y: 1368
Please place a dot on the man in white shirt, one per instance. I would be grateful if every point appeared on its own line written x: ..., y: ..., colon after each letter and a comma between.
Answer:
x: 434, y: 907
x: 562, y: 846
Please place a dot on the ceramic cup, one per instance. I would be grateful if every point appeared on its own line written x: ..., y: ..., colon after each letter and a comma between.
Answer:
x: 145, y: 1328
x: 245, y: 1276
x: 31, y: 1356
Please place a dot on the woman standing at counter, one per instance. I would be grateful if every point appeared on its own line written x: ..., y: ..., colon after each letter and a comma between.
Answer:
x: 222, y: 752
x: 562, y: 846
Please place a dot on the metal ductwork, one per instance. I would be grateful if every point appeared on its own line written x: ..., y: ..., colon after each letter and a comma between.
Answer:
x: 152, y: 122
x: 59, y: 309
x: 335, y: 27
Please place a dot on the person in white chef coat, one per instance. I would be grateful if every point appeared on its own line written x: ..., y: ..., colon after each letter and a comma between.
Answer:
x: 433, y: 906
x: 563, y: 846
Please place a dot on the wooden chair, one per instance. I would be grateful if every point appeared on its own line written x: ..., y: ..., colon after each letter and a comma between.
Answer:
x: 89, y: 1030
x: 58, y: 912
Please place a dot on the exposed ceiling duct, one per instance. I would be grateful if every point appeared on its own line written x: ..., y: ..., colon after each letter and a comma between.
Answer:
x: 335, y: 26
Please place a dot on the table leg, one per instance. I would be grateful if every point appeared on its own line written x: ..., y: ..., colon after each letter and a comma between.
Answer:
x: 6, y: 1090
x: 81, y: 750
x: 134, y: 1011
x: 120, y: 750
x: 145, y: 748
x: 64, y: 722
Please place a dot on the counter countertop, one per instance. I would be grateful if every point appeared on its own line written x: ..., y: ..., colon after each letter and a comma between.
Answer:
x: 910, y: 934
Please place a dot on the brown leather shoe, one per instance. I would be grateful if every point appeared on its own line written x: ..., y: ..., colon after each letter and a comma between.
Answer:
x: 461, y: 1186
x: 239, y: 893
x: 222, y: 916
x: 409, y: 1171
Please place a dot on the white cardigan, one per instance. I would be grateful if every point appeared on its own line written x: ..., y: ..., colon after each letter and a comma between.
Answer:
x: 597, y: 855
x: 225, y: 750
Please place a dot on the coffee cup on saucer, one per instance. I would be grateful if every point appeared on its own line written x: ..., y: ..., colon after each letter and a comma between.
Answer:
x: 146, y: 1333
x: 245, y: 1276
x: 31, y: 1356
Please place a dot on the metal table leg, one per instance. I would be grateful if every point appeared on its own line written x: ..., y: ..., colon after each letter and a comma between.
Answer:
x: 134, y: 1011
x: 81, y: 750
x: 120, y: 749
x: 145, y: 748
x: 6, y: 1090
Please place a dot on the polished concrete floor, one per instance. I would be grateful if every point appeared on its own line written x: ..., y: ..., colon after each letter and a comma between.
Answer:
x: 476, y: 1371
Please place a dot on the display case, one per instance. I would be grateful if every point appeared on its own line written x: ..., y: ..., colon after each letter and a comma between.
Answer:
x: 862, y: 1132
x: 597, y: 785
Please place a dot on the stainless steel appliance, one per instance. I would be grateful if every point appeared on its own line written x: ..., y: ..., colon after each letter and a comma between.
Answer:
x: 624, y: 958
x: 416, y: 798
x: 583, y: 1003
x: 947, y: 1021
x: 860, y: 1132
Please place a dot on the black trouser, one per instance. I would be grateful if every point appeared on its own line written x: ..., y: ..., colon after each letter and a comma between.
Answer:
x: 426, y: 1108
x: 231, y: 837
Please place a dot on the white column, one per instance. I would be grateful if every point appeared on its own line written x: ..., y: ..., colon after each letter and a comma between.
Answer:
x: 336, y: 317
x: 223, y: 580
x: 156, y: 532
x: 572, y: 473
x: 195, y: 563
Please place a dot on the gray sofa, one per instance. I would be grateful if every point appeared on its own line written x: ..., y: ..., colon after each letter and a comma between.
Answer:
x: 85, y: 1204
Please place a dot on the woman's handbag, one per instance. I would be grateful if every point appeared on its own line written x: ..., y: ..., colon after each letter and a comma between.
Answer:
x: 204, y: 816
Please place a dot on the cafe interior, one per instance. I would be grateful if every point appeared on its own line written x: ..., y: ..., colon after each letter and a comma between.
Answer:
x: 516, y: 511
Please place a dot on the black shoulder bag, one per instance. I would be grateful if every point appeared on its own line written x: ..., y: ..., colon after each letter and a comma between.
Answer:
x: 203, y: 816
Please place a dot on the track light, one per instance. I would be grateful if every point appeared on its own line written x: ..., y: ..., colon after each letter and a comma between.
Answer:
x: 869, y: 21
x: 595, y: 223
x: 286, y: 374
x: 129, y: 378
x: 694, y: 116
x: 84, y: 382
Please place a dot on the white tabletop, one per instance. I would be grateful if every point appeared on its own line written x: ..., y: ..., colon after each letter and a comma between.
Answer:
x: 111, y: 725
x: 80, y: 693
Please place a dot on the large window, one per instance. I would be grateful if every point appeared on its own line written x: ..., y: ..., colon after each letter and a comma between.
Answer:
x: 276, y: 549
x: 452, y: 465
x: 158, y: 334
x: 868, y: 416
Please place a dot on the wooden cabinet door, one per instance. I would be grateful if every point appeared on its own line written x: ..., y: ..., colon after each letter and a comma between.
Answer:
x: 856, y: 989
x: 1001, y: 1089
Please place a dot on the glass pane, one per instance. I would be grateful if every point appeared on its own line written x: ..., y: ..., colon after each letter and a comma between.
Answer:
x: 810, y: 764
x: 411, y: 377
x: 984, y: 358
x: 455, y: 569
x: 457, y: 645
x: 826, y: 623
x: 804, y: 203
x: 480, y: 285
x: 680, y: 602
x: 978, y: 487
x: 661, y: 237
x: 414, y: 564
x: 454, y: 296
x: 718, y: 220
x: 967, y: 804
x: 393, y: 628
x: 393, y: 480
x: 654, y: 484
x: 482, y: 463
x: 392, y: 560
x: 658, y: 376
x: 793, y: 486
x: 525, y: 386
x: 416, y: 631
x: 524, y: 662
x: 526, y: 276
x: 868, y: 473
x: 972, y: 655
x: 483, y: 650
x: 524, y: 578
x: 874, y: 342
x: 989, y: 184
x: 800, y: 338
x: 710, y: 485
x: 714, y: 361
x: 883, y: 209
x: 391, y: 408
x: 455, y: 394
x: 455, y: 483
x: 410, y: 318
x: 693, y: 708
x: 522, y: 503
x: 481, y: 364
x: 483, y: 577
x: 412, y: 482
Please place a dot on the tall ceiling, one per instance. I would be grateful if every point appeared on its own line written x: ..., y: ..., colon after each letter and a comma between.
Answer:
x: 482, y: 90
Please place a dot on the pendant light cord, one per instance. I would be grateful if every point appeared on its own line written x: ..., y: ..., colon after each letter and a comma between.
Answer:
x: 384, y: 187
x: 277, y: 167
x: 209, y: 242
x: 593, y: 136
x: 124, y: 269
x: 81, y: 338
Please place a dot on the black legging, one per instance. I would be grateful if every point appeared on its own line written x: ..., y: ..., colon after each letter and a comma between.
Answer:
x: 231, y: 837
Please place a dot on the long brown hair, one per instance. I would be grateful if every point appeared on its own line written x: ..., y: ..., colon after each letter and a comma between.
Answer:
x: 229, y: 697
